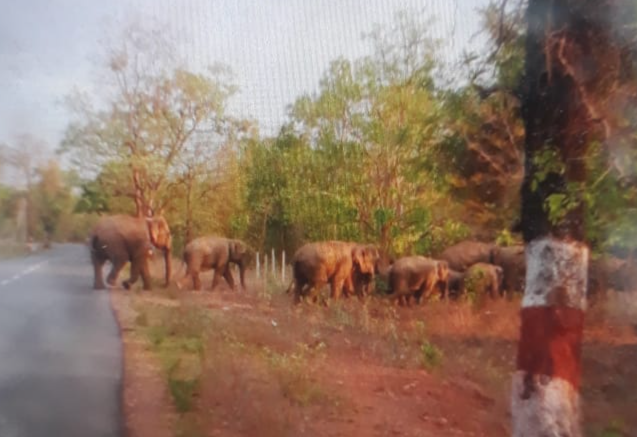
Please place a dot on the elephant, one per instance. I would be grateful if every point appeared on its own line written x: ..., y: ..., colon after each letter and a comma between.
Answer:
x: 364, y: 283
x: 455, y: 283
x: 607, y: 271
x: 205, y: 253
x: 339, y: 263
x: 462, y: 255
x: 121, y: 239
x: 368, y: 283
x: 513, y: 262
x: 417, y: 276
x: 482, y: 279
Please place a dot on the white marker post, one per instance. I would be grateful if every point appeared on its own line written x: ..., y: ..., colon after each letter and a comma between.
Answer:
x: 283, y: 266
x: 273, y: 265
x: 258, y: 266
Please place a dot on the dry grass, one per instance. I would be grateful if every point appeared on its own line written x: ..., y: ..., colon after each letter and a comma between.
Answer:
x: 293, y: 368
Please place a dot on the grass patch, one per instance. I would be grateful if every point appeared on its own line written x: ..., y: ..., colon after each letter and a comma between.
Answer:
x: 430, y: 356
x: 183, y: 392
x: 293, y: 373
x: 614, y: 429
x: 177, y: 335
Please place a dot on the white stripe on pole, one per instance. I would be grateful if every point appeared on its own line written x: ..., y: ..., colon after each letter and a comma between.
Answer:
x: 258, y: 266
x: 273, y: 265
x: 283, y: 266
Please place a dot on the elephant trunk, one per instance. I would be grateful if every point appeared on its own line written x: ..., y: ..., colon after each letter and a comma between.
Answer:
x: 168, y: 265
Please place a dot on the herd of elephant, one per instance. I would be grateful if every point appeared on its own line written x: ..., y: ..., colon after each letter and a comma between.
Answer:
x: 348, y: 268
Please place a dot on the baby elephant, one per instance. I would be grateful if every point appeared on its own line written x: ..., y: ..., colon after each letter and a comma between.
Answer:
x: 483, y: 279
x: 417, y: 276
x: 206, y: 253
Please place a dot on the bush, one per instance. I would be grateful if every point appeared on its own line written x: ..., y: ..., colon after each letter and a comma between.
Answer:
x: 431, y: 356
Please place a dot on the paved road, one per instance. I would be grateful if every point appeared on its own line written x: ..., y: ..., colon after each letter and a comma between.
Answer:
x: 60, y: 352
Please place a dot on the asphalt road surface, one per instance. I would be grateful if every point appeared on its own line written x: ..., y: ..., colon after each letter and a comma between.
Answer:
x: 60, y: 351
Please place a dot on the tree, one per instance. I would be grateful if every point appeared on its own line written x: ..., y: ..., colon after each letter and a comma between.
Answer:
x: 23, y: 158
x: 578, y: 69
x: 52, y: 199
x: 154, y: 113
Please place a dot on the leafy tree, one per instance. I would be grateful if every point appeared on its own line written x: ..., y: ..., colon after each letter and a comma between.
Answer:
x: 154, y: 113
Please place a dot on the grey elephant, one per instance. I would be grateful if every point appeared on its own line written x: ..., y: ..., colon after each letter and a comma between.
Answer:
x: 207, y: 253
x: 462, y: 255
x: 455, y: 283
x: 483, y: 279
x: 513, y: 262
x: 417, y: 276
x: 339, y: 263
x: 121, y: 239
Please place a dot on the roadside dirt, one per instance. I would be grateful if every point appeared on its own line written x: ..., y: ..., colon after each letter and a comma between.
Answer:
x: 148, y: 409
x: 271, y: 369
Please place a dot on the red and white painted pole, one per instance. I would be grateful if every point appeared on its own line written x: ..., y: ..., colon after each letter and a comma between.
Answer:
x: 545, y: 396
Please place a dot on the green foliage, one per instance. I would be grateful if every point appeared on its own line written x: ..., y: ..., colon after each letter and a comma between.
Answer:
x: 505, y: 238
x: 183, y: 392
x: 474, y: 282
x: 431, y: 356
x: 94, y: 199
x: 614, y: 429
x: 361, y: 159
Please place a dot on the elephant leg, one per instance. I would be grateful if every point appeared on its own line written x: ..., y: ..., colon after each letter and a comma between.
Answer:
x: 422, y: 291
x: 118, y: 265
x: 337, y: 287
x: 145, y: 272
x: 98, y: 278
x: 219, y: 271
x: 314, y: 291
x: 228, y: 277
x: 196, y: 281
x: 348, y: 287
x: 297, y: 290
x: 135, y: 270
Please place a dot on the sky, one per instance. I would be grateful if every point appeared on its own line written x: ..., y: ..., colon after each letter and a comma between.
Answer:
x: 277, y: 49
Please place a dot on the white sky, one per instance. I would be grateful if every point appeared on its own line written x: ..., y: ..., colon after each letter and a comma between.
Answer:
x: 277, y: 49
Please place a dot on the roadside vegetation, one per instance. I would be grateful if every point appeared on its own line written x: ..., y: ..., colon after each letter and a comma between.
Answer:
x: 235, y: 363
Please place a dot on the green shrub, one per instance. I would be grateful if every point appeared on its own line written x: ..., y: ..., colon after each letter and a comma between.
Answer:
x: 431, y: 356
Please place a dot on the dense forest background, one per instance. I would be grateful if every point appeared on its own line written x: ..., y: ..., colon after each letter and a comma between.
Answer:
x: 398, y: 148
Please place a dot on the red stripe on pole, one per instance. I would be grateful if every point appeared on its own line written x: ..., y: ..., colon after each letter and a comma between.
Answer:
x: 550, y: 343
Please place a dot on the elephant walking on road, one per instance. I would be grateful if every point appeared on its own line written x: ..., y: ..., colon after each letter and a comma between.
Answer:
x: 121, y: 239
x: 206, y: 253
x: 417, y: 276
x: 338, y: 263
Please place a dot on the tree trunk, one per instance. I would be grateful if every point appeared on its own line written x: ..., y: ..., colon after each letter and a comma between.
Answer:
x: 139, y: 196
x: 568, y: 55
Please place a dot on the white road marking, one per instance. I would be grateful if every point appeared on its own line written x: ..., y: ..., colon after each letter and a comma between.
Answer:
x: 32, y: 268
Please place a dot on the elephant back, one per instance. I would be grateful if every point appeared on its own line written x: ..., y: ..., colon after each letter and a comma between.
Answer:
x: 462, y: 255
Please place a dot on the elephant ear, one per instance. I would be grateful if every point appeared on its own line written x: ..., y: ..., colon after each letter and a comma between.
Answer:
x: 443, y: 270
x: 363, y: 258
x: 158, y: 231
x: 357, y: 256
